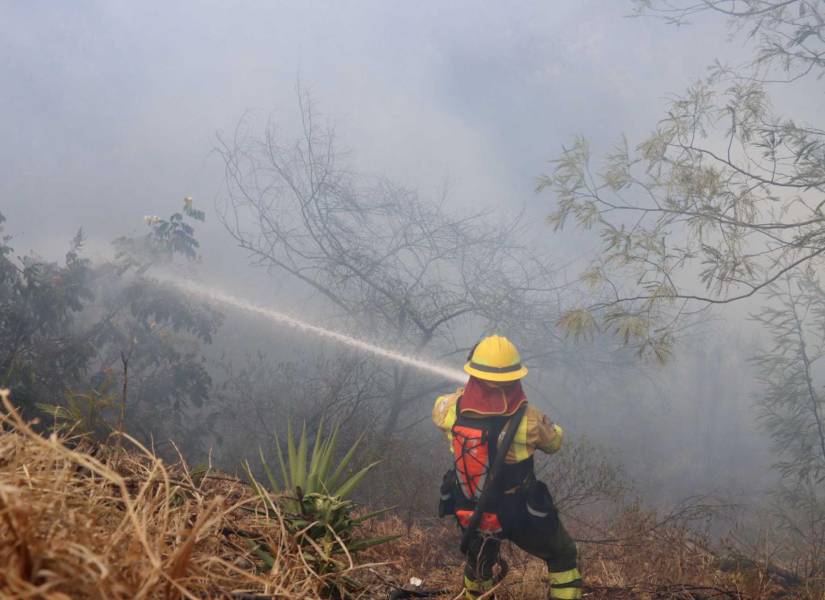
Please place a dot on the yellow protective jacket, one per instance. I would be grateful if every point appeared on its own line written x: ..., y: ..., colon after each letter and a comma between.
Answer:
x: 535, y: 431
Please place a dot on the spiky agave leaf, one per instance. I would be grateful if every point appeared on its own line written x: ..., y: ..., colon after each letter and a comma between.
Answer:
x: 259, y: 489
x: 326, y: 459
x: 317, y: 447
x: 332, y: 482
x: 292, y: 453
x: 266, y: 557
x: 365, y: 543
x: 273, y: 483
x: 372, y: 515
x: 300, y: 473
x: 352, y: 482
x: 284, y: 472
x: 313, y: 476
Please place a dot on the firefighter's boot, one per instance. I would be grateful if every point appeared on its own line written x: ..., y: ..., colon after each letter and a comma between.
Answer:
x: 565, y: 585
x: 475, y: 588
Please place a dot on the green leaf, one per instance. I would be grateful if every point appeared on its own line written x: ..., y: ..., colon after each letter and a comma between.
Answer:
x: 284, y: 473
x: 313, y: 479
x: 262, y: 494
x: 301, y: 470
x: 326, y: 459
x: 273, y: 483
x: 293, y: 456
x: 371, y: 515
x: 317, y: 448
x: 350, y: 484
x: 332, y: 481
x: 359, y: 545
x: 266, y: 557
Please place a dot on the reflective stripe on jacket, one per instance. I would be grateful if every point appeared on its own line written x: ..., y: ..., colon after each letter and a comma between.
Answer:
x: 535, y: 431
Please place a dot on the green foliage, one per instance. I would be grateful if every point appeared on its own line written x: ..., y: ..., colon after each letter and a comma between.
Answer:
x: 579, y: 323
x: 159, y: 331
x: 167, y: 238
x: 84, y: 412
x: 175, y: 235
x: 318, y: 476
x: 792, y: 410
x: 723, y: 198
x: 68, y: 328
x: 792, y: 405
x: 318, y: 514
x: 41, y: 352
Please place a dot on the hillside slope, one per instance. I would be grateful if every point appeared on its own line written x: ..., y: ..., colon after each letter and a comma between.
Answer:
x: 82, y: 520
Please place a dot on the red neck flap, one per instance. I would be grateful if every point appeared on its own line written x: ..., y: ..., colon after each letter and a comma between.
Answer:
x: 487, y: 398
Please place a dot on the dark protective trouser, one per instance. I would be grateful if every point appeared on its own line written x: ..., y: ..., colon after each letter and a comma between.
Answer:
x: 530, y: 521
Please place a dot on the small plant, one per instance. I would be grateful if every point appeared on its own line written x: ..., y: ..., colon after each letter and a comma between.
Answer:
x: 84, y: 412
x: 314, y: 504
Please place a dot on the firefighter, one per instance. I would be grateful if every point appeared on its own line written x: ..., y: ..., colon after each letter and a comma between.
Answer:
x: 473, y: 419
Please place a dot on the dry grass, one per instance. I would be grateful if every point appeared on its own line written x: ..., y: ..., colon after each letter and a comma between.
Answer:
x: 643, y: 555
x: 111, y: 522
x: 121, y: 524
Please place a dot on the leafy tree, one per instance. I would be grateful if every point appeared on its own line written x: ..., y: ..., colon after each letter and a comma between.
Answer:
x: 788, y: 34
x: 166, y: 239
x: 152, y: 334
x: 723, y: 199
x: 792, y: 404
x: 41, y: 352
x: 67, y: 332
x: 723, y: 202
x: 792, y: 410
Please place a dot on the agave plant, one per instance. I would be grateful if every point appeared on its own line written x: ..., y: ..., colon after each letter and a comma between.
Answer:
x: 314, y: 502
x: 319, y: 476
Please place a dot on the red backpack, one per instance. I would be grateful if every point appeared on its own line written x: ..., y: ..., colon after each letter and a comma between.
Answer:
x: 475, y: 444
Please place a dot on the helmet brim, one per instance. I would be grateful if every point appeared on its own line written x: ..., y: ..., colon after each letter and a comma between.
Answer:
x: 498, y: 377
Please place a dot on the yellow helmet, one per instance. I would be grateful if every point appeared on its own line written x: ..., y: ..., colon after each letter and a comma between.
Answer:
x: 495, y: 358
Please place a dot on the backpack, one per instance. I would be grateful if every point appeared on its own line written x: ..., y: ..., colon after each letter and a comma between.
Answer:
x: 475, y: 444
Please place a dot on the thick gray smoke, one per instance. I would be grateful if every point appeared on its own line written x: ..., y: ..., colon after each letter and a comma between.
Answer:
x: 109, y: 112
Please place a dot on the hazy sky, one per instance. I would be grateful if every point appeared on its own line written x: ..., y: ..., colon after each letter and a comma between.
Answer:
x: 109, y: 110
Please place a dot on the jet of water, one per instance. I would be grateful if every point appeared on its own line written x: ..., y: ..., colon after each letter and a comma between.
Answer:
x: 218, y: 296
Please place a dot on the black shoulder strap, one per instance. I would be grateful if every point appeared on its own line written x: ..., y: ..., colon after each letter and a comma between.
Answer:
x: 490, y: 487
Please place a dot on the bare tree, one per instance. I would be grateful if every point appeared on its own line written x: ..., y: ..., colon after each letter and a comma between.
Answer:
x: 393, y: 267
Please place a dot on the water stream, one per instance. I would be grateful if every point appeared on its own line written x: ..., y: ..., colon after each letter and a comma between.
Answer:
x: 220, y: 297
